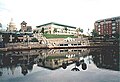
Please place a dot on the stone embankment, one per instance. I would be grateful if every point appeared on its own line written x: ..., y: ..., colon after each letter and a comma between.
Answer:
x: 50, y: 47
x: 37, y: 45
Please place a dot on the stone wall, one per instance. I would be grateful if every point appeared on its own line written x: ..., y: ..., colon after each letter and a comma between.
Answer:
x: 54, y: 41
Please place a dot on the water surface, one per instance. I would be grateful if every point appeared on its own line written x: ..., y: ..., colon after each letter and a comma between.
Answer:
x: 60, y: 65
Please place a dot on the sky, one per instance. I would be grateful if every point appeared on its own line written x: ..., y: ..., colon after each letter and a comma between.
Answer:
x: 78, y: 13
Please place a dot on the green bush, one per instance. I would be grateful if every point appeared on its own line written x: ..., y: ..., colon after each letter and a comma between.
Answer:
x: 34, y: 40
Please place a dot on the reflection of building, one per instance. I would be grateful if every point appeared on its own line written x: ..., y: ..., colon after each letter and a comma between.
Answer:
x: 23, y: 59
x: 106, y: 58
x: 69, y: 52
x: 11, y: 26
x: 54, y: 62
x: 55, y: 28
x: 24, y: 69
x: 56, y: 57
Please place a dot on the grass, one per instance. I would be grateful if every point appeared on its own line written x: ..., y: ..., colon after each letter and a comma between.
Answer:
x: 58, y: 36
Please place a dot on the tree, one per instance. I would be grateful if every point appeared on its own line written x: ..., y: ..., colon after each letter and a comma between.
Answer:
x: 66, y: 29
x: 79, y: 30
x: 34, y: 31
x: 55, y: 29
x: 42, y: 31
x: 106, y: 36
x: 116, y: 35
x: 20, y: 30
x: 94, y: 33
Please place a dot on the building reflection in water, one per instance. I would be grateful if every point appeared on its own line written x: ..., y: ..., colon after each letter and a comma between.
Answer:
x: 57, y: 58
x: 23, y: 59
x: 107, y: 58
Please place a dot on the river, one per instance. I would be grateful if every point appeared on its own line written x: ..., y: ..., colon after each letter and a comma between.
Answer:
x: 60, y: 65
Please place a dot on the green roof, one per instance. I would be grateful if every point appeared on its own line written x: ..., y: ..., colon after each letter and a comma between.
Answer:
x: 55, y: 24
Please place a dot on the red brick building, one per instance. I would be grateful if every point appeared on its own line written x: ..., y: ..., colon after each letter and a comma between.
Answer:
x: 109, y: 26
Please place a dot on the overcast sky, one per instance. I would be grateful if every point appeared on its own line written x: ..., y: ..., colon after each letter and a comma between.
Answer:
x: 79, y: 13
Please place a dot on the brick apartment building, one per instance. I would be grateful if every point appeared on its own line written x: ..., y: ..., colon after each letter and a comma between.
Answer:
x: 109, y: 26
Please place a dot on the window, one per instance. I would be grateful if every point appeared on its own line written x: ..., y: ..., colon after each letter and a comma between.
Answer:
x: 75, y: 50
x: 113, y: 32
x: 65, y: 44
x: 99, y: 25
x: 113, y: 27
x: 99, y: 33
x: 66, y: 50
x: 79, y: 44
x: 99, y: 29
x: 61, y: 50
x: 61, y: 44
x: 75, y: 44
x: 113, y: 24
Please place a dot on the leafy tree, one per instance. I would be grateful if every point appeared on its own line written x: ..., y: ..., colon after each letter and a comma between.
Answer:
x: 116, y: 35
x: 66, y: 29
x: 34, y: 31
x: 106, y: 36
x: 46, y: 32
x: 42, y: 31
x: 55, y: 29
x: 94, y: 33
x: 79, y: 30
x: 20, y: 30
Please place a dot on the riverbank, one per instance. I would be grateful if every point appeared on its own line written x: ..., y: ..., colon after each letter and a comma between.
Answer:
x: 52, y: 47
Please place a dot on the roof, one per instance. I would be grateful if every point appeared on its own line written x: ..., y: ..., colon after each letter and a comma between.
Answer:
x: 55, y: 24
x: 23, y: 22
x: 112, y: 18
x: 18, y: 33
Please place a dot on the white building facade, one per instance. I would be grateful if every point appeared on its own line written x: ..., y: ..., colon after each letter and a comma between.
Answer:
x: 11, y: 26
x: 55, y: 28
